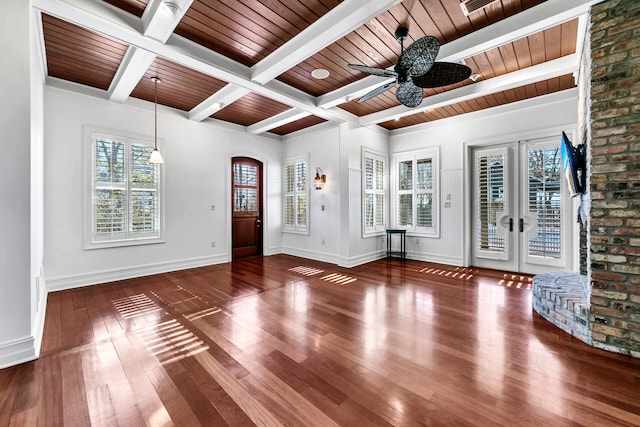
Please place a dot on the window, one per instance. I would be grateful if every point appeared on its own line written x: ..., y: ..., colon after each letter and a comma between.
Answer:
x: 296, y: 196
x: 374, y: 200
x: 124, y: 203
x: 417, y: 192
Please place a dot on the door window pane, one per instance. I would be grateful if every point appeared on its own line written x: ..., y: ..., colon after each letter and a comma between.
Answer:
x: 544, y: 201
x: 245, y: 200
x: 490, y: 199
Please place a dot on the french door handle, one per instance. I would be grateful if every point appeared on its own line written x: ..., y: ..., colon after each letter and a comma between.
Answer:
x: 511, y: 225
x: 521, y: 224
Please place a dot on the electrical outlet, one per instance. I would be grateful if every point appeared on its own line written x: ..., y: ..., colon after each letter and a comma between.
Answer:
x: 213, y: 207
x: 323, y: 241
x: 213, y: 244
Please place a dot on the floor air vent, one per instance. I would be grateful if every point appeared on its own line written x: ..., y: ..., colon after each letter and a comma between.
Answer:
x: 470, y: 6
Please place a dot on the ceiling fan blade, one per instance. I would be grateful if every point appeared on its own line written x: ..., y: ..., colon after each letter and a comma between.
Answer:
x: 409, y: 94
x: 418, y: 58
x: 442, y: 74
x: 374, y: 71
x: 375, y: 92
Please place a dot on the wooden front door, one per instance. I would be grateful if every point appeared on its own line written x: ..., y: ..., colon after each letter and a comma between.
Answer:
x: 247, y: 207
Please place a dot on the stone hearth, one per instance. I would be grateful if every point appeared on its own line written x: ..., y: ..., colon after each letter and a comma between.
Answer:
x: 563, y: 299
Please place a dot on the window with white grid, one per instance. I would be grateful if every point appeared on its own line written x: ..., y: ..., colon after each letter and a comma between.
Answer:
x: 416, y: 186
x: 296, y: 196
x: 374, y: 204
x: 123, y: 191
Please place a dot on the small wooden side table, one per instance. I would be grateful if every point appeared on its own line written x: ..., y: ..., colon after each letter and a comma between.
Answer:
x: 402, y: 253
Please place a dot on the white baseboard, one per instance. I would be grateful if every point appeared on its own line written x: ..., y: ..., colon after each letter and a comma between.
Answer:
x: 37, y: 328
x: 94, y: 278
x: 361, y: 259
x: 440, y: 259
x: 313, y: 255
x: 18, y: 351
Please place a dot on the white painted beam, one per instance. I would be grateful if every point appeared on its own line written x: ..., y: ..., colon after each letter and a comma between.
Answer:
x: 161, y: 17
x: 134, y: 64
x: 225, y: 96
x: 158, y: 21
x: 545, y: 15
x: 336, y: 23
x: 536, y: 73
x: 278, y: 120
x: 100, y: 17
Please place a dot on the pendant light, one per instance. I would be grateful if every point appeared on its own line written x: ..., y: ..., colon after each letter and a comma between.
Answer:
x: 155, y: 157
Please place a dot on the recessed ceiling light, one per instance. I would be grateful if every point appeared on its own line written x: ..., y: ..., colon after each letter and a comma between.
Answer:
x: 171, y: 7
x: 320, y: 73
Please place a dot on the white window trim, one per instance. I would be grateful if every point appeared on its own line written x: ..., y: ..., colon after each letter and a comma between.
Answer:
x: 434, y: 155
x: 376, y: 230
x: 90, y: 134
x: 296, y: 229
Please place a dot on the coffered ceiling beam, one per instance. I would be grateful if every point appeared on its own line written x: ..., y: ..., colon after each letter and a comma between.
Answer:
x: 134, y: 64
x: 536, y: 73
x: 161, y: 17
x: 225, y: 96
x: 336, y: 23
x: 158, y: 21
x: 535, y: 19
x: 278, y: 120
x: 115, y: 23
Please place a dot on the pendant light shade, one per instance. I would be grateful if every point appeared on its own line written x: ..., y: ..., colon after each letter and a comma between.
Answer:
x: 155, y: 157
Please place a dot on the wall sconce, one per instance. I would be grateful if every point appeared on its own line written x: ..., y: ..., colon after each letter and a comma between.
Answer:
x: 320, y: 179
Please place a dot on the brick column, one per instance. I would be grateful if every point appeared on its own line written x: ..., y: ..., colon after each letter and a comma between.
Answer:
x: 614, y: 231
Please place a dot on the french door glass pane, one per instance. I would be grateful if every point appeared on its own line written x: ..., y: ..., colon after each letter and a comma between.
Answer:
x: 544, y: 200
x: 490, y: 199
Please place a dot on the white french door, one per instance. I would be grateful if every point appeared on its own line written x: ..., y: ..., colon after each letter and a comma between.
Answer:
x: 521, y: 210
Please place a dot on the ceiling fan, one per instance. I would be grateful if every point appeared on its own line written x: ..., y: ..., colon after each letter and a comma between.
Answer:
x: 416, y: 69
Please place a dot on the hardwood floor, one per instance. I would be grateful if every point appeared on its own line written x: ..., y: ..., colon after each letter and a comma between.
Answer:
x: 282, y: 340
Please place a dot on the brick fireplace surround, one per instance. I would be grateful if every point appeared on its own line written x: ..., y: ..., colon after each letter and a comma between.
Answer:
x: 609, y: 121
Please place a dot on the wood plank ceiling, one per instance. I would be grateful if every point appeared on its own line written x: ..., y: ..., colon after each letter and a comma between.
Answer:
x: 250, y: 63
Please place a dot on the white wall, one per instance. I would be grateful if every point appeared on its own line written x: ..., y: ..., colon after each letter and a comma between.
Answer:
x: 197, y: 174
x: 321, y: 144
x: 335, y: 234
x: 508, y: 123
x: 18, y: 247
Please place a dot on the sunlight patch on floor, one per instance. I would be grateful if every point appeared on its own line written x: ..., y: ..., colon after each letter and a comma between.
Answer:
x: 306, y: 271
x: 135, y: 306
x: 338, y: 279
x: 170, y: 341
x: 457, y: 273
x: 516, y: 281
